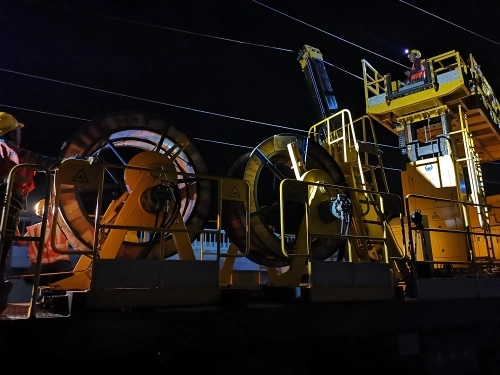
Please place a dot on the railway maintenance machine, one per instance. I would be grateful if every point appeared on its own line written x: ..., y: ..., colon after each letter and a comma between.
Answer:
x: 131, y: 194
x: 314, y: 212
x: 447, y: 125
x: 331, y: 225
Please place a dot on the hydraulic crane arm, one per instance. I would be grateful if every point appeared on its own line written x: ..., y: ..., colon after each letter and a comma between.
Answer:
x: 311, y: 61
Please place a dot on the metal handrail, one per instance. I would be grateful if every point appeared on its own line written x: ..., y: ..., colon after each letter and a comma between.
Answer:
x: 310, y: 232
x: 220, y: 183
x: 41, y: 239
x: 466, y: 232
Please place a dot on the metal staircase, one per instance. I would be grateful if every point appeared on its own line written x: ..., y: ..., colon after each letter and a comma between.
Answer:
x: 478, y: 195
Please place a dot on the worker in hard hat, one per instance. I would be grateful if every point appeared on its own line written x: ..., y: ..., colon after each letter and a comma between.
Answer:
x: 55, y: 266
x: 417, y: 71
x: 12, y: 154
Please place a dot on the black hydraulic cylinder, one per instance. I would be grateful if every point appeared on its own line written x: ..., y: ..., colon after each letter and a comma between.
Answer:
x: 318, y: 82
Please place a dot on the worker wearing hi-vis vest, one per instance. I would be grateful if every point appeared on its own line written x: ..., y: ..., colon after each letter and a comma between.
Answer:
x: 12, y: 154
x: 417, y: 72
x: 53, y: 263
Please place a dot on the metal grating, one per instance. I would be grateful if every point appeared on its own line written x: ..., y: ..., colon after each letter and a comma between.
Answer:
x: 18, y: 311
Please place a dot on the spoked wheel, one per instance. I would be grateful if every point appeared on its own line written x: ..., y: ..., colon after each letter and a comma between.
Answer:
x: 264, y: 168
x: 116, y: 139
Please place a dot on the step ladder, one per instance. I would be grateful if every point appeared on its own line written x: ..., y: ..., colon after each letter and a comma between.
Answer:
x: 478, y: 195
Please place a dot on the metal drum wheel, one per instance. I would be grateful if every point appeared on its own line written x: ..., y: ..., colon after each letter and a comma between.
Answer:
x: 264, y: 168
x: 115, y: 139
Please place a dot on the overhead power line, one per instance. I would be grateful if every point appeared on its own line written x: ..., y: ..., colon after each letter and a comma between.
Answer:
x: 195, y: 138
x: 151, y: 101
x: 330, y: 34
x: 217, y: 38
x: 146, y: 24
x: 86, y: 119
x: 451, y: 23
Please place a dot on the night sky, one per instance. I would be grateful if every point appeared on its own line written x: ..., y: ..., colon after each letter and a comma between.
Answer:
x: 224, y: 71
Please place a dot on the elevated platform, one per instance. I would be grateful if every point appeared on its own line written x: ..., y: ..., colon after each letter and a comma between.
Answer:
x: 450, y: 83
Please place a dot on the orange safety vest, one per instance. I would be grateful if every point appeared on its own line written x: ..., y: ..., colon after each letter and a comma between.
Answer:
x: 23, y: 179
x: 49, y: 255
x: 418, y: 76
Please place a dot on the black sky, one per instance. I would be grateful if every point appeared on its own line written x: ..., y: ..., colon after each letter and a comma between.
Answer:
x: 65, y: 62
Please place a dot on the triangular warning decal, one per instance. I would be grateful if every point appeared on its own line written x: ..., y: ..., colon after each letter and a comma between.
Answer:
x: 435, y: 215
x: 80, y: 177
x: 234, y: 193
x: 293, y: 194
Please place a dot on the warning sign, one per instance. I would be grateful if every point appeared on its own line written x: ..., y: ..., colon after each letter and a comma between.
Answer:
x: 234, y: 190
x: 294, y: 190
x: 81, y: 177
x: 234, y: 193
x: 435, y: 215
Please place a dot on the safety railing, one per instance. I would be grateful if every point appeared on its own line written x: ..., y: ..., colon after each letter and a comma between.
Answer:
x: 337, y: 141
x: 40, y: 239
x: 471, y: 161
x: 225, y: 188
x: 440, y: 69
x: 298, y: 191
x: 341, y: 140
x: 470, y: 257
x: 482, y: 87
x: 447, y: 62
x: 374, y: 81
x: 179, y: 232
x: 343, y: 144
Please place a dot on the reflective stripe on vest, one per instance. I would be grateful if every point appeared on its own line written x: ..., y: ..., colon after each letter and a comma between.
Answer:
x: 49, y: 255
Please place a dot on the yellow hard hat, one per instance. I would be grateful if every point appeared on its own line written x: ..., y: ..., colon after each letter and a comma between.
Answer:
x: 8, y: 123
x: 39, y: 207
x: 416, y: 52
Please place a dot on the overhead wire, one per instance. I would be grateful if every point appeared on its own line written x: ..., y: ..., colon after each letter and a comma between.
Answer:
x: 328, y: 33
x: 222, y: 39
x: 160, y: 102
x: 86, y: 119
x: 251, y: 43
x: 451, y: 23
x: 343, y: 70
x: 158, y: 26
x: 202, y: 35
x: 195, y: 138
x: 149, y: 100
x: 152, y: 25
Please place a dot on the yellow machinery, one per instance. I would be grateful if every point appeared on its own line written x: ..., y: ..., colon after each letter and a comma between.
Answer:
x: 131, y: 195
x: 313, y: 211
x: 317, y: 214
x: 447, y: 125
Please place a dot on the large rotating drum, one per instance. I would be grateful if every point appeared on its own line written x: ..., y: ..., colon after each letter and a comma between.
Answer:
x: 264, y: 168
x: 116, y: 139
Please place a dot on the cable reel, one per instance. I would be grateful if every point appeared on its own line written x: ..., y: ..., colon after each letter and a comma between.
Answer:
x: 121, y: 138
x: 264, y: 168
